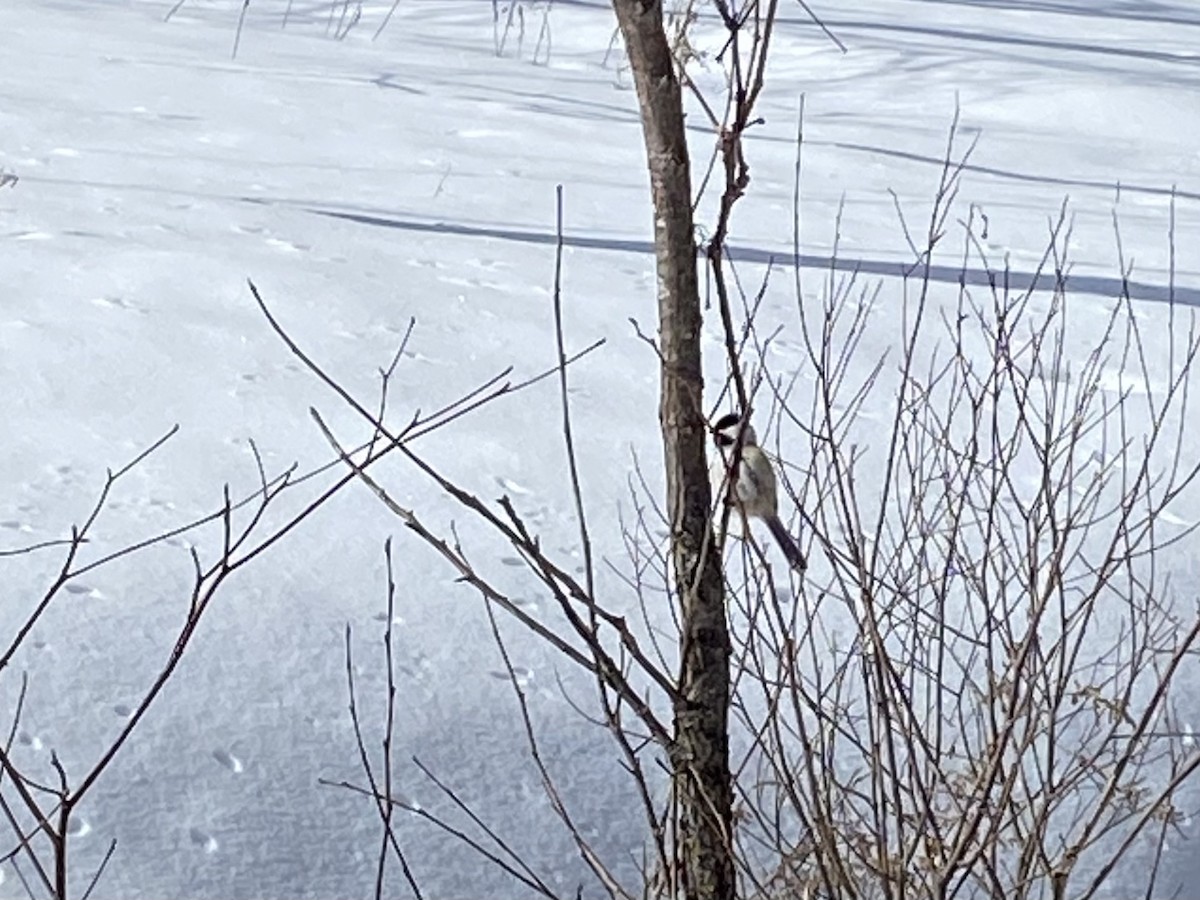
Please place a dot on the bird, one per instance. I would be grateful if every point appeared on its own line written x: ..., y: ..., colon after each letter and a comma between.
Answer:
x: 756, y: 495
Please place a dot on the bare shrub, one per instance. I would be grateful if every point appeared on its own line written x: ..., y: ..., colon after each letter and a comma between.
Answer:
x: 972, y: 691
x: 39, y: 798
x: 976, y: 696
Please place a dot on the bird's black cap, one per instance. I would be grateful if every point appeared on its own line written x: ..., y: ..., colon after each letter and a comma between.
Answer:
x: 725, y: 429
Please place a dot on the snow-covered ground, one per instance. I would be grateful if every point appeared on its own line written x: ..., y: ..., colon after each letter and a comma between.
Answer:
x: 359, y: 183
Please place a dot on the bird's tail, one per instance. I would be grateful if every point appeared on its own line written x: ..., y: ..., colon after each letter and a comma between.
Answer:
x: 794, y: 557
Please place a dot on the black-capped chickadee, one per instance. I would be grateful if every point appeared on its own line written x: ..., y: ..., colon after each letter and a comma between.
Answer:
x: 756, y: 494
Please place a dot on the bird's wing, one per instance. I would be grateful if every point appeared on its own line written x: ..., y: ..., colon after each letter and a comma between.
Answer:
x: 750, y: 485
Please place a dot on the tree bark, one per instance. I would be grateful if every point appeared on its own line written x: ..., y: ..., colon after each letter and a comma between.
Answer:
x: 700, y: 756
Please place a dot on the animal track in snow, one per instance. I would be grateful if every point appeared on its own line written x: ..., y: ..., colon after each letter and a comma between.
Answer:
x: 78, y: 827
x: 74, y: 587
x: 426, y: 263
x: 65, y: 475
x: 522, y: 675
x: 511, y: 487
x: 459, y: 281
x: 382, y: 617
x: 246, y: 380
x: 538, y: 516
x: 287, y: 246
x: 260, y: 231
x: 203, y: 839
x: 142, y: 504
x: 417, y: 668
x: 229, y: 761
x: 489, y: 265
x: 118, y: 303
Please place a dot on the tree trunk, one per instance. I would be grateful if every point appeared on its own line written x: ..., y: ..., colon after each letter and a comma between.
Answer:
x: 700, y: 757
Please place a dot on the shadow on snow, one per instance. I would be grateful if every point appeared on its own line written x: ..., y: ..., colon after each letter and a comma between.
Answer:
x: 1098, y: 285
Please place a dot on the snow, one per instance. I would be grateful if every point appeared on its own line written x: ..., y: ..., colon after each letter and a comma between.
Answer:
x: 359, y: 183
